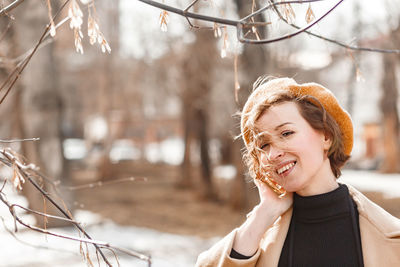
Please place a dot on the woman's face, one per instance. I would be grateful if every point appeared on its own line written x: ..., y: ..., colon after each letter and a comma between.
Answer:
x: 295, y: 149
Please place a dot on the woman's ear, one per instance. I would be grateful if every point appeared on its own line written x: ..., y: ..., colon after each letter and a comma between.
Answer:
x: 327, y: 141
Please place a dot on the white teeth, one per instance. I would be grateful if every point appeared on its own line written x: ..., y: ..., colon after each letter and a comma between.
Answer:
x: 286, y: 167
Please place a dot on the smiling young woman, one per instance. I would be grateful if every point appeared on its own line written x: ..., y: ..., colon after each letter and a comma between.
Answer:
x: 297, y: 139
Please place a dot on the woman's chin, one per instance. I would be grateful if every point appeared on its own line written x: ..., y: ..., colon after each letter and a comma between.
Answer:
x: 291, y: 188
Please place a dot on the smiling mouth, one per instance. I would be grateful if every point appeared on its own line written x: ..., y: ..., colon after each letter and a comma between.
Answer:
x: 285, y: 168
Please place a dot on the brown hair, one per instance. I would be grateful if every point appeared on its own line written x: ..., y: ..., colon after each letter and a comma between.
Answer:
x: 312, y: 111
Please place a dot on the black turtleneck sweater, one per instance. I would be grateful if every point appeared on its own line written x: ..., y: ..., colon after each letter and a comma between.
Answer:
x: 324, y: 231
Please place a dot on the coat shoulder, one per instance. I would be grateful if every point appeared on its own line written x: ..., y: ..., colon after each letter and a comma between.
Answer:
x: 386, y: 223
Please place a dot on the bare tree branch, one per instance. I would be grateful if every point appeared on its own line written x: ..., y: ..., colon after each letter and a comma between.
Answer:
x: 28, y: 172
x: 22, y: 168
x: 65, y: 236
x: 190, y: 14
x: 241, y: 24
x: 18, y: 70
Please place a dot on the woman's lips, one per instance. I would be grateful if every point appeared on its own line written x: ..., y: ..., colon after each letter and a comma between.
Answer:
x: 286, y: 169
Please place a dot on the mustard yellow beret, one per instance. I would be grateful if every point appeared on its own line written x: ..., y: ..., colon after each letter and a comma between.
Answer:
x: 322, y: 94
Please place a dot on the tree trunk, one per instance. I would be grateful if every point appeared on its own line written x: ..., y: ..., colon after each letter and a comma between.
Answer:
x: 238, y: 199
x: 186, y: 167
x: 201, y: 118
x: 197, y: 69
x: 109, y: 86
x: 390, y: 116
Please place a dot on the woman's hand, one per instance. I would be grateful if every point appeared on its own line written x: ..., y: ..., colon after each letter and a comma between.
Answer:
x: 260, y: 219
x: 270, y: 202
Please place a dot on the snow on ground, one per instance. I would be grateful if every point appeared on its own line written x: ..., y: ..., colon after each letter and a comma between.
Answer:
x: 166, y: 250
x: 36, y: 249
x: 388, y: 184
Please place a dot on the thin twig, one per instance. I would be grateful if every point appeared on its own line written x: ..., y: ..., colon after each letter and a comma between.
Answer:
x: 115, y: 256
x: 3, y: 34
x: 191, y: 4
x: 19, y: 140
x: 101, y: 183
x: 43, y: 214
x: 5, y: 181
x: 15, y: 160
x: 5, y: 10
x: 132, y: 253
x: 29, y: 244
x: 350, y: 47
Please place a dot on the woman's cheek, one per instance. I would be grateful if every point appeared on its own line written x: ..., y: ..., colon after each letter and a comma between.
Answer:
x: 263, y: 159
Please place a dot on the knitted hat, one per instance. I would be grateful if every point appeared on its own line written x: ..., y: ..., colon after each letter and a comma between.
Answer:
x: 322, y: 94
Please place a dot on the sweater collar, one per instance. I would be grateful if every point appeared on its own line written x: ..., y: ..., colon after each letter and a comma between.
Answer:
x: 323, y: 206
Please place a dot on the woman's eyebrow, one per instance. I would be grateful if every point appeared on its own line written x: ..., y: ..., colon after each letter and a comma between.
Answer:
x: 283, y: 124
x: 262, y: 136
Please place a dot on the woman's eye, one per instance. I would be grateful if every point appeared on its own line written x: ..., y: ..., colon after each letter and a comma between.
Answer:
x: 285, y: 134
x: 264, y: 146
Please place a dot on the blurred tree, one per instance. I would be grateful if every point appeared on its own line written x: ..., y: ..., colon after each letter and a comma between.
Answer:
x: 352, y: 79
x: 390, y: 122
x: 41, y: 105
x: 110, y: 87
x: 197, y: 68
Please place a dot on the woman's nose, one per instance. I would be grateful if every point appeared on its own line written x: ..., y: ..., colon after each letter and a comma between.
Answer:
x: 274, y: 152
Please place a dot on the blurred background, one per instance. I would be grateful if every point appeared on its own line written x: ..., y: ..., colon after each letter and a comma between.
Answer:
x: 155, y: 120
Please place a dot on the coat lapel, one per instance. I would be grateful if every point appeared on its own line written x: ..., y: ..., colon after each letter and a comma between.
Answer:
x: 273, y: 240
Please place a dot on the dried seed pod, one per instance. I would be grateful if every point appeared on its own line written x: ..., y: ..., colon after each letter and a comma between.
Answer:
x: 310, y: 14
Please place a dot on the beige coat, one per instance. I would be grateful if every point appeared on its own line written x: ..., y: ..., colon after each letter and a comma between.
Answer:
x: 380, y: 240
